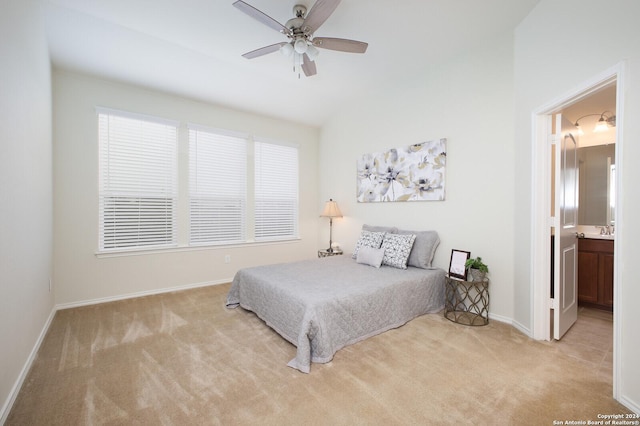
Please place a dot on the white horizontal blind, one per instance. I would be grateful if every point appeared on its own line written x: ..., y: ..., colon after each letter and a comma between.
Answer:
x: 137, y: 182
x: 217, y: 187
x: 276, y: 191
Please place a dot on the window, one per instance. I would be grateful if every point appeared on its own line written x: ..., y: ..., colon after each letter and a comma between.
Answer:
x: 217, y: 187
x: 276, y: 191
x: 233, y: 189
x: 137, y: 181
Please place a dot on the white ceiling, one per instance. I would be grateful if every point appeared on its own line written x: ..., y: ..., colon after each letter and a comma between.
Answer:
x: 193, y: 48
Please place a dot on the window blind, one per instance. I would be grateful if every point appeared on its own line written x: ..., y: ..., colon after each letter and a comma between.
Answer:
x: 276, y: 191
x: 217, y: 187
x: 137, y: 182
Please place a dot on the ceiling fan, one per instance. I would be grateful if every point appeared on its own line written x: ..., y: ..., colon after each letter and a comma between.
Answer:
x: 302, y: 45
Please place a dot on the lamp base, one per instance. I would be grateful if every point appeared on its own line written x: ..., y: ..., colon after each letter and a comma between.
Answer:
x: 330, y: 249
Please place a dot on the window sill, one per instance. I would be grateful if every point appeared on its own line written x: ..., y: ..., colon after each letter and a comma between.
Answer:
x: 186, y: 248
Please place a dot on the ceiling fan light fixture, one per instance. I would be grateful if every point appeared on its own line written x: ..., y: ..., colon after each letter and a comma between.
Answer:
x: 300, y: 46
x: 286, y: 49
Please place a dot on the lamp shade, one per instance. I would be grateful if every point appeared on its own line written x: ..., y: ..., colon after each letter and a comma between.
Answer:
x: 300, y: 46
x: 312, y: 52
x: 286, y: 49
x: 601, y: 125
x: 331, y: 209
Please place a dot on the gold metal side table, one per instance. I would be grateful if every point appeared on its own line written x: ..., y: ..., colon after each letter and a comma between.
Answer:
x: 466, y: 302
x: 327, y: 253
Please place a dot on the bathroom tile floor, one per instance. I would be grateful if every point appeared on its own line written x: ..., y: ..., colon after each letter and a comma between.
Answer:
x: 590, y: 340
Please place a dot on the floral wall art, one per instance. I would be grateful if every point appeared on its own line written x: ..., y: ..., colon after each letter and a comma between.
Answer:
x: 409, y: 173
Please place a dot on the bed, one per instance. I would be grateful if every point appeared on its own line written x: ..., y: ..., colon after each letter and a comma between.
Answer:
x: 323, y: 305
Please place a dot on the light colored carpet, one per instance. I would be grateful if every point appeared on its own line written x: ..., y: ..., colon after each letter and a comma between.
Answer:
x: 183, y: 358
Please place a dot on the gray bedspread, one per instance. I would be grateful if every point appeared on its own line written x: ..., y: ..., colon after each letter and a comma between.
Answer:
x: 323, y: 305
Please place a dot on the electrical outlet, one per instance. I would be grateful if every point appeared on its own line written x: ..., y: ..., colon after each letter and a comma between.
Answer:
x: 227, y: 259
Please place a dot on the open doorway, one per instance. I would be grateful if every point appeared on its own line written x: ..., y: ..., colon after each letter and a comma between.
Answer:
x: 541, y: 264
x: 592, y: 120
x: 590, y: 336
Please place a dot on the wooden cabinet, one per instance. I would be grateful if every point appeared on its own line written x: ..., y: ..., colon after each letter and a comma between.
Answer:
x: 595, y: 273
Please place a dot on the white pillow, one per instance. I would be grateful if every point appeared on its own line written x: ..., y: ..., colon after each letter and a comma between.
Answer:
x: 370, y: 256
x: 368, y: 239
x: 397, y: 248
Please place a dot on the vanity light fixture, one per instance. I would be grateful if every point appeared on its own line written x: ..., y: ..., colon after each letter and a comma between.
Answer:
x: 606, y: 120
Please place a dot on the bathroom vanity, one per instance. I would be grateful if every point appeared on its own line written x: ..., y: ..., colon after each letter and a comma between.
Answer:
x: 595, y: 273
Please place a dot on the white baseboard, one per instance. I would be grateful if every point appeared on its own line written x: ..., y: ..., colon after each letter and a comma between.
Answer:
x: 139, y: 294
x: 6, y: 408
x: 522, y: 328
x: 631, y: 405
x: 500, y: 318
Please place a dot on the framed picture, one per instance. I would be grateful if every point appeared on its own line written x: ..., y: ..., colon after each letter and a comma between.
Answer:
x: 456, y: 265
x: 407, y: 173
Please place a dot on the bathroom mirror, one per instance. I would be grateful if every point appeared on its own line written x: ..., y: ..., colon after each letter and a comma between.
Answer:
x: 597, y: 185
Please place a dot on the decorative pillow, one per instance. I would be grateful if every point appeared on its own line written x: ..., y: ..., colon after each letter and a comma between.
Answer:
x: 424, y: 248
x: 370, y: 256
x: 396, y: 249
x: 368, y: 239
x: 387, y: 229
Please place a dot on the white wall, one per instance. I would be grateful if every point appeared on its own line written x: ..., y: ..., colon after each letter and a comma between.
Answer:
x: 469, y: 101
x: 560, y: 45
x: 81, y: 276
x: 25, y: 190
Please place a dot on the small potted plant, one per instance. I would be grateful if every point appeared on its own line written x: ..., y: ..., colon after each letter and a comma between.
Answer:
x: 477, y: 268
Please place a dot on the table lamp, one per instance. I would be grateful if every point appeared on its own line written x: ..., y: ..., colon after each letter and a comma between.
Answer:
x: 331, y: 210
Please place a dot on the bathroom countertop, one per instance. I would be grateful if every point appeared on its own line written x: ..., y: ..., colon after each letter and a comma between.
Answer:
x: 598, y: 236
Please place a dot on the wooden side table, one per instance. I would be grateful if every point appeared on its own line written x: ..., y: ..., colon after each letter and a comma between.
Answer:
x: 327, y: 253
x: 467, y: 302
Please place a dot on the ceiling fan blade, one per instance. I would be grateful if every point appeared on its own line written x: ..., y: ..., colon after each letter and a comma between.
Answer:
x: 319, y: 13
x: 260, y: 16
x: 264, y: 50
x: 340, y: 44
x: 308, y: 66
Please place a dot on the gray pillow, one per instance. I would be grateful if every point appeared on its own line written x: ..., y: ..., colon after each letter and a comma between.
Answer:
x: 396, y: 249
x: 387, y: 229
x: 424, y: 248
x: 370, y: 256
x: 368, y: 239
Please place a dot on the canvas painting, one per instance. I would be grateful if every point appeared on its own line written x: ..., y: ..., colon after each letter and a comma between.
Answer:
x: 410, y: 173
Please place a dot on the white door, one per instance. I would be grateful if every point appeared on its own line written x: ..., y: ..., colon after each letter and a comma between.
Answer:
x: 565, y: 305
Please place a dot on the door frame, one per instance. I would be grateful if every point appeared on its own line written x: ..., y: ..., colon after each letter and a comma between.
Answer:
x: 540, y: 263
